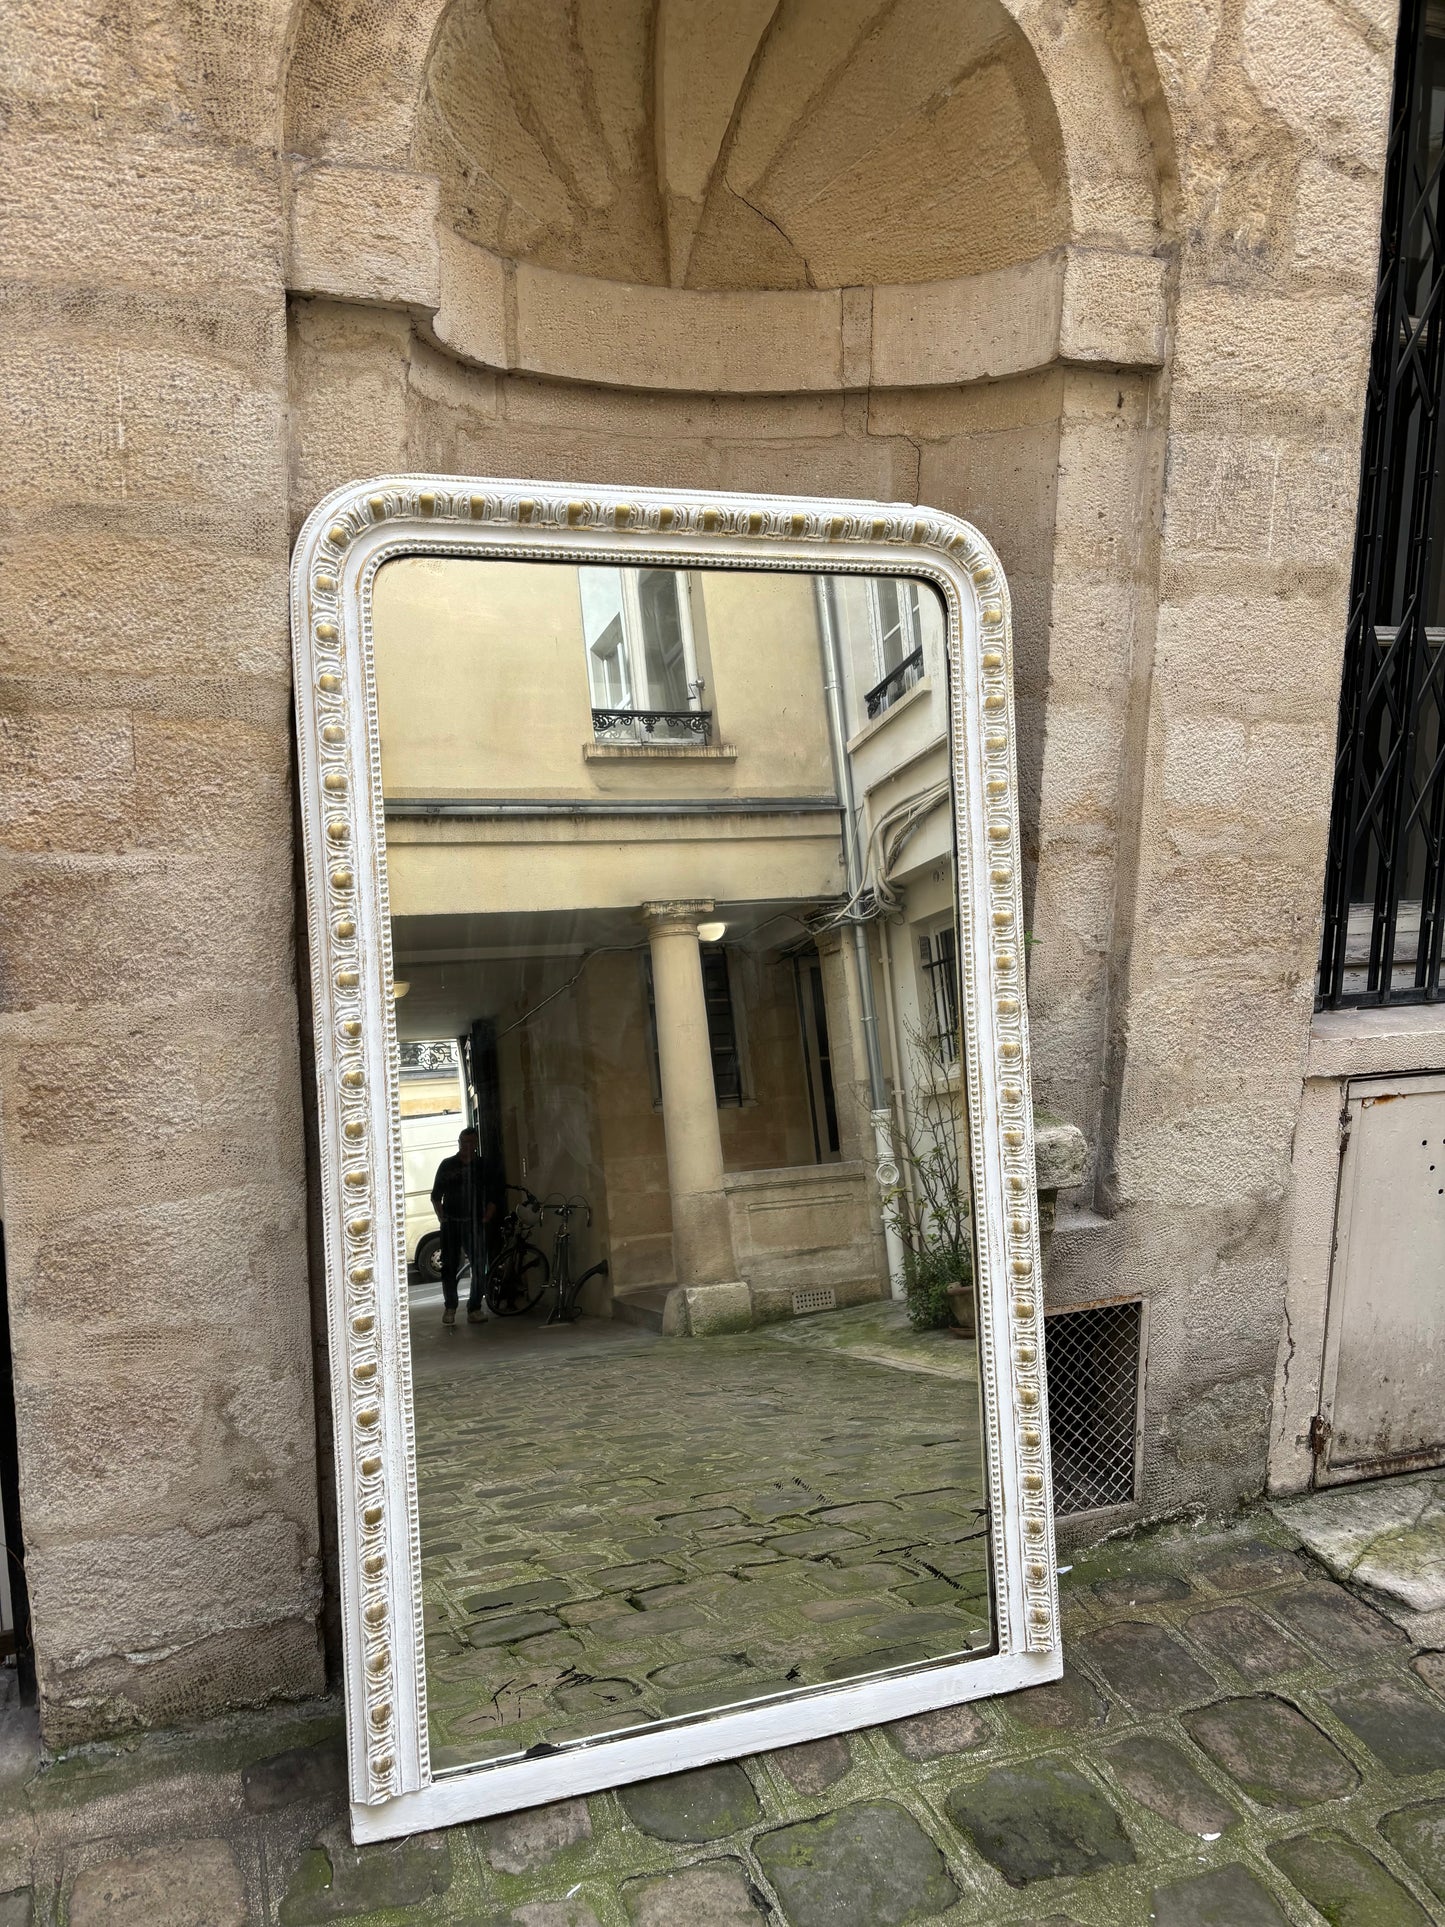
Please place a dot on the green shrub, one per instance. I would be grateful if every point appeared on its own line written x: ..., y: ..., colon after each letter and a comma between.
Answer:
x: 926, y: 1278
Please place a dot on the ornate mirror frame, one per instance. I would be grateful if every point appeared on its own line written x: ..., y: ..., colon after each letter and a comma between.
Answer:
x: 344, y: 542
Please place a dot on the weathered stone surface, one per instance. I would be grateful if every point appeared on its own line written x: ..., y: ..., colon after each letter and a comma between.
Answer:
x: 1069, y: 1704
x: 574, y: 1912
x: 1252, y: 1565
x: 17, y: 1908
x: 1246, y: 1639
x: 1417, y: 1834
x: 518, y: 1842
x: 1402, y: 1726
x: 1388, y: 1535
x: 1147, y: 1666
x: 1336, y: 1625
x: 870, y: 1865
x: 1231, y: 1897
x: 702, y: 1805
x: 1039, y: 1821
x: 715, y: 1894
x: 815, y: 1766
x: 1268, y: 1747
x: 336, y: 1880
x: 1431, y: 1668
x: 948, y: 1729
x: 300, y: 1773
x: 1163, y: 1780
x: 1148, y: 1589
x: 1344, y: 1883
x: 197, y: 1884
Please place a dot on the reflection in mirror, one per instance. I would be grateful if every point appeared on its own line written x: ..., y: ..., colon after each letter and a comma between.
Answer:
x: 687, y: 1224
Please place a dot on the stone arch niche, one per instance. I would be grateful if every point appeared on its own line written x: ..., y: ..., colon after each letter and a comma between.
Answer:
x: 780, y: 144
x: 540, y: 178
x: 900, y: 249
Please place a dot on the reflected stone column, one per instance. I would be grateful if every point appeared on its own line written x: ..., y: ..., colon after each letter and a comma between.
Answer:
x: 701, y: 1234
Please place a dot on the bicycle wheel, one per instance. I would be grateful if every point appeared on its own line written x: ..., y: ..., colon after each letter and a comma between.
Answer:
x: 516, y: 1281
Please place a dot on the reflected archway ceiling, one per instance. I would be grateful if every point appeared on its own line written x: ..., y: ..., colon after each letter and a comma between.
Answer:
x: 744, y: 143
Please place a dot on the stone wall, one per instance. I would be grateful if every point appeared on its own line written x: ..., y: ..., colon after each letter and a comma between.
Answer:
x: 154, y: 1175
x: 1157, y: 421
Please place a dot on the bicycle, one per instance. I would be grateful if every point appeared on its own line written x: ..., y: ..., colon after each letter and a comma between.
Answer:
x: 517, y: 1276
x: 568, y: 1289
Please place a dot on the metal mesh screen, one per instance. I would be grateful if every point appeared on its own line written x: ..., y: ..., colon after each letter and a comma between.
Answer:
x: 1093, y: 1368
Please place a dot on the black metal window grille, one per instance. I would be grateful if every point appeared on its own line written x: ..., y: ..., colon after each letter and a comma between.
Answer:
x: 1385, y: 879
x: 1092, y: 1357
x: 899, y: 680
x: 722, y: 1027
x: 649, y: 726
x: 938, y: 961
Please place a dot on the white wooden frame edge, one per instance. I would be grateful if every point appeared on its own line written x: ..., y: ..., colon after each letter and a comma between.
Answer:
x: 345, y: 540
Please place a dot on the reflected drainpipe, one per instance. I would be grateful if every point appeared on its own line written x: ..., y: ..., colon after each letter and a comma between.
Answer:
x: 884, y: 1161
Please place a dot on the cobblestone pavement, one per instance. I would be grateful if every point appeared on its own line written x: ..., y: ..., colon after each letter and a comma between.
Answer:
x: 1238, y: 1741
x: 617, y: 1527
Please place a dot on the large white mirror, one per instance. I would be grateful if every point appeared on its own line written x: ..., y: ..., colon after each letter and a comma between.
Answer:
x: 682, y: 1260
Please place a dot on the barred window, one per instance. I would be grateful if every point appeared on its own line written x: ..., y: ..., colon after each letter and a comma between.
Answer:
x: 938, y: 965
x: 722, y: 1027
x: 1385, y: 880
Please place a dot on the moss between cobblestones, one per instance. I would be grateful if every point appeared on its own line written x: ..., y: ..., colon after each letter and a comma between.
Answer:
x: 170, y: 1787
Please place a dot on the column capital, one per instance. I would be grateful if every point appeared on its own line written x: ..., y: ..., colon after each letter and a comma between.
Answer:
x: 676, y: 918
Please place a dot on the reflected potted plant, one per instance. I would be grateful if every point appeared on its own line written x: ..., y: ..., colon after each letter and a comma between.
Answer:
x: 929, y: 1205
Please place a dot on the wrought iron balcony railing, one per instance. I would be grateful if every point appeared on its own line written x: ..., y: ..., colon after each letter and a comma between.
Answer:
x: 655, y: 727
x: 899, y: 679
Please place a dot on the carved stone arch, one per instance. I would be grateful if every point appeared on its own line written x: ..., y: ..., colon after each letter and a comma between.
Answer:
x: 357, y: 84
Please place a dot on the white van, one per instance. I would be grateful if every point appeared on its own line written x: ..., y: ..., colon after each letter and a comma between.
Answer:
x: 433, y: 1114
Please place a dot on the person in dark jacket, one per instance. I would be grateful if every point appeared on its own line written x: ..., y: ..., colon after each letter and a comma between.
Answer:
x: 467, y: 1196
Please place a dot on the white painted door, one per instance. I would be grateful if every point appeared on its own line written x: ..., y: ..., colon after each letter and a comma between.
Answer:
x: 1383, y: 1392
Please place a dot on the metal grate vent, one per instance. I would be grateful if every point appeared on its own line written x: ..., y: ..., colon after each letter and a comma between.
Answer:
x: 819, y: 1298
x: 1093, y: 1369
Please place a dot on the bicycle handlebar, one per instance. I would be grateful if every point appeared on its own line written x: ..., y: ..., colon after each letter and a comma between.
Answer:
x: 565, y: 1208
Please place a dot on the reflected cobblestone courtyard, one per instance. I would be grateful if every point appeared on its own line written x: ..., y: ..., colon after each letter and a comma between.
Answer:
x: 1238, y: 1741
x: 618, y: 1527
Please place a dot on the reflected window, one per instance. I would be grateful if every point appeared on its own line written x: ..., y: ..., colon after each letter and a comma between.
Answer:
x: 890, y: 617
x: 641, y: 661
x: 722, y: 1027
x: 938, y: 964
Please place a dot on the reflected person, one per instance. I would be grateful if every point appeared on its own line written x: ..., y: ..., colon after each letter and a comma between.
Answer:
x: 465, y: 1195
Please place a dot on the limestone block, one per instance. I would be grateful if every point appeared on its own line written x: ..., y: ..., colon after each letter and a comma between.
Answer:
x: 1320, y: 73
x: 1240, y: 341
x: 139, y: 209
x: 114, y: 605
x: 1277, y: 655
x: 368, y: 234
x: 1258, y: 772
x: 210, y: 785
x: 109, y: 421
x: 143, y: 927
x: 1114, y: 308
x: 67, y: 781
x: 1337, y: 221
x: 582, y: 329
x: 146, y: 1594
x: 707, y: 1309
x: 975, y: 328
x: 471, y: 317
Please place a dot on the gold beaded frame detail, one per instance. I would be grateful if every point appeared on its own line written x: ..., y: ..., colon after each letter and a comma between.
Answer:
x: 344, y: 542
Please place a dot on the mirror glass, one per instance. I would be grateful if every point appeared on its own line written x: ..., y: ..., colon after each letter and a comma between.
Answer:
x: 670, y: 858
